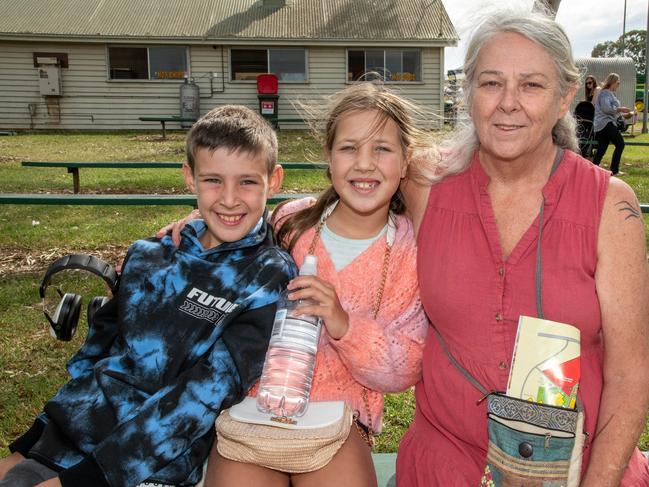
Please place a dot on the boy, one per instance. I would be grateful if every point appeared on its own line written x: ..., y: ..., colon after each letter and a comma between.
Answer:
x: 184, y: 337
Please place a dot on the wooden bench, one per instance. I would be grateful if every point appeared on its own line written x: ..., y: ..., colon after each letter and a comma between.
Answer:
x: 73, y: 167
x: 166, y: 118
x: 385, y: 465
x: 119, y: 199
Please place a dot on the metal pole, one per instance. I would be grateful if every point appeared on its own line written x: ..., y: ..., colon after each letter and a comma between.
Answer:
x: 646, y: 75
x: 624, y: 32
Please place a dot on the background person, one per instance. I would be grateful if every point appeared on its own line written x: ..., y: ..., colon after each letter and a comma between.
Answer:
x: 607, y: 113
x: 477, y: 239
x: 591, y: 89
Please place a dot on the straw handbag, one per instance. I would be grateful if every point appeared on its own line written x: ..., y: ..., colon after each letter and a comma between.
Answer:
x: 245, y: 435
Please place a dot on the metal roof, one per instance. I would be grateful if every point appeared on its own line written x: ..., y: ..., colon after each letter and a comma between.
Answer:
x: 230, y: 20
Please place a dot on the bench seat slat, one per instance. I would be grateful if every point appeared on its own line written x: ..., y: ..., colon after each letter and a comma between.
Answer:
x: 118, y: 199
x: 149, y: 165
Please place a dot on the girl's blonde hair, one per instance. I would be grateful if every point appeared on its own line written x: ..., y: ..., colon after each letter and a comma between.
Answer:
x: 358, y: 97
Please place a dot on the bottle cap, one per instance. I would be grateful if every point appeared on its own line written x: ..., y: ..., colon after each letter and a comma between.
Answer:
x: 309, y: 265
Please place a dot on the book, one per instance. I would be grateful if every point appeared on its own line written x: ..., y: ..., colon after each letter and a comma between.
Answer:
x: 546, y: 362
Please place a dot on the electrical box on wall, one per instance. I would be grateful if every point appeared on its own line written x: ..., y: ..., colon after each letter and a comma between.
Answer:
x: 49, y: 76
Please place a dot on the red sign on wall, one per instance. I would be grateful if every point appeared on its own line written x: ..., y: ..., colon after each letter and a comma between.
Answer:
x: 267, y: 107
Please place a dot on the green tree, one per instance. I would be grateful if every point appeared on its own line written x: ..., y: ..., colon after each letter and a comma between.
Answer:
x: 634, y: 47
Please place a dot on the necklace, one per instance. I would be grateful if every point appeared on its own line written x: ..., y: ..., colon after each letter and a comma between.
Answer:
x: 368, y: 435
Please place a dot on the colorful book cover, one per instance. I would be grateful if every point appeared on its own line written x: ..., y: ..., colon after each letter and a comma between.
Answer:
x: 545, y: 365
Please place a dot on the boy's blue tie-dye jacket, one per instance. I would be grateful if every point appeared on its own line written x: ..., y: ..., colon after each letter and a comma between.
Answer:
x: 184, y: 338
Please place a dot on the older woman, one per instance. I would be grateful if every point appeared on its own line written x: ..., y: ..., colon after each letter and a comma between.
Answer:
x: 478, y: 235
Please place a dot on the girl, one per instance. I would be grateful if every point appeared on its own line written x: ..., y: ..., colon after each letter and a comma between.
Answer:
x: 366, y: 287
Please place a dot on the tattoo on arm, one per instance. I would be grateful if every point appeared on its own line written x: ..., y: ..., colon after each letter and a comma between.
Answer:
x: 629, y: 209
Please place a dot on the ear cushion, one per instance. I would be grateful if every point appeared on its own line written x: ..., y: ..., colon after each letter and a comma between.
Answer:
x: 96, y: 303
x: 66, y: 317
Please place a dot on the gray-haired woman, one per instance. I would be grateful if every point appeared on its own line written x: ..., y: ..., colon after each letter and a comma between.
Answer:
x: 478, y: 240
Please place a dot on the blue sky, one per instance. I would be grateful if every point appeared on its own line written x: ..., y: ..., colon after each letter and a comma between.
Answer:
x: 587, y: 22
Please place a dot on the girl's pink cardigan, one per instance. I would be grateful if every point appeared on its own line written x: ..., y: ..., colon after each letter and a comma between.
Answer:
x: 382, y: 354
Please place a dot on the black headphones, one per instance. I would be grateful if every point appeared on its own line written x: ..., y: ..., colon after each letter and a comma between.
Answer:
x: 63, y: 322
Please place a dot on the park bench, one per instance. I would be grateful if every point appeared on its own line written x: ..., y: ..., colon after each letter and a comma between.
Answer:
x: 167, y: 118
x: 275, y: 121
x: 74, y: 166
x: 628, y: 142
x: 119, y: 199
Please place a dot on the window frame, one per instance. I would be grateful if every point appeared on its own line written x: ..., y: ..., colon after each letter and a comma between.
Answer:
x: 188, y: 72
x: 268, y: 71
x: 420, y: 81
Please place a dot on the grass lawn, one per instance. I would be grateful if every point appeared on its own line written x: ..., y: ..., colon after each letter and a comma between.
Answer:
x: 32, y: 364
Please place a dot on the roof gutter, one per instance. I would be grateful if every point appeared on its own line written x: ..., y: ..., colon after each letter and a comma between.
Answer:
x: 25, y: 37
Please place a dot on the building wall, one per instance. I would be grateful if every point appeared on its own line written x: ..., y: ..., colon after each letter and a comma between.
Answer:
x: 90, y: 101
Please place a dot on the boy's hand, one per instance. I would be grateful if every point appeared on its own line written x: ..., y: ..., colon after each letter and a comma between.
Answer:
x: 328, y: 305
x: 53, y: 482
x: 175, y: 227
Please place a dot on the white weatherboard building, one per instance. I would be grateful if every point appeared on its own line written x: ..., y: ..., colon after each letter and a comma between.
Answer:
x: 102, y: 64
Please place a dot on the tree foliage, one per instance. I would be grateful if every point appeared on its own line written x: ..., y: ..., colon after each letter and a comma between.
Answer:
x: 634, y: 47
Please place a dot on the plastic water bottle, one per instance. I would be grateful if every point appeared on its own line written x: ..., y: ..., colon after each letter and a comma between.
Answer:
x: 288, y: 370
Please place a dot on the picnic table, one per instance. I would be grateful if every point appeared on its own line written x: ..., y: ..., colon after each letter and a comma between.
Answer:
x: 166, y: 118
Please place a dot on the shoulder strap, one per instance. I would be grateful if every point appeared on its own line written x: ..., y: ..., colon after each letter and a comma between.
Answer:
x: 474, y: 382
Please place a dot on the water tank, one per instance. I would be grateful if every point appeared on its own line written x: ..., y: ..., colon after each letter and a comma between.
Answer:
x: 190, y: 106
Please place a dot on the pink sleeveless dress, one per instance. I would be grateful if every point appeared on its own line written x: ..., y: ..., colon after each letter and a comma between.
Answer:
x: 475, y: 298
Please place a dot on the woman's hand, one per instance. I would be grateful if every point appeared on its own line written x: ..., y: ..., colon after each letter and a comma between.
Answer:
x: 327, y: 304
x: 9, y: 462
x: 175, y: 227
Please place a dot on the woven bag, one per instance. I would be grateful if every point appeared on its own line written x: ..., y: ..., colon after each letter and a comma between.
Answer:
x: 286, y: 448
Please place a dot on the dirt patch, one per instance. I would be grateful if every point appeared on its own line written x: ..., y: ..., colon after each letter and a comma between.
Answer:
x: 10, y: 159
x: 16, y: 260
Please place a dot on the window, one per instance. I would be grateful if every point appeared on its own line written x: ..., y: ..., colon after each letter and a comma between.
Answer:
x: 396, y: 65
x: 156, y: 62
x: 288, y: 64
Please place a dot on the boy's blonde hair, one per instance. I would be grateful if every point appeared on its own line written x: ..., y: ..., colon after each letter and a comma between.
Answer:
x: 233, y: 127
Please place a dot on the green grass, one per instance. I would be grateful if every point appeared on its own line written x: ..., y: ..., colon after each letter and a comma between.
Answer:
x: 32, y: 364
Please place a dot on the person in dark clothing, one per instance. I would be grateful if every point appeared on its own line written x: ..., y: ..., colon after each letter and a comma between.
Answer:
x: 184, y: 336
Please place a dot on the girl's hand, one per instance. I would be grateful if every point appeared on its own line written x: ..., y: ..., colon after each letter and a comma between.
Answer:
x: 175, y: 227
x: 328, y: 306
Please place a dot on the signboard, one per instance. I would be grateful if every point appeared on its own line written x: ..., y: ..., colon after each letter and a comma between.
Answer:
x: 267, y: 107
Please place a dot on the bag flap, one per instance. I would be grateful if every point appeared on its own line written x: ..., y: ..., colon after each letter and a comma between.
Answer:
x: 530, y: 428
x: 541, y: 415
